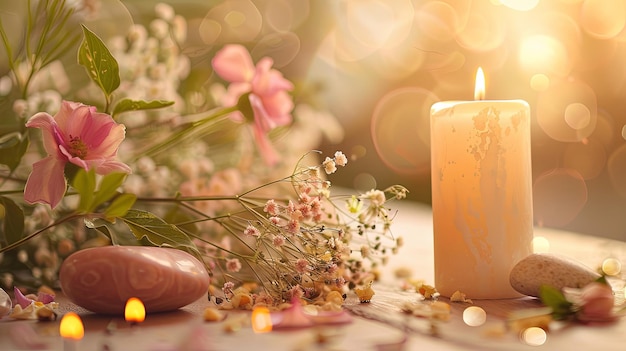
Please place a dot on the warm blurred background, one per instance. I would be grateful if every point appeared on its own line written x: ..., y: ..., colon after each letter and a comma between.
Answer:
x: 378, y: 66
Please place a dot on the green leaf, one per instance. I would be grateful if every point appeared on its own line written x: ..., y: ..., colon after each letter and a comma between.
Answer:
x: 100, y: 64
x: 602, y: 280
x: 12, y: 221
x: 117, y: 235
x: 12, y: 148
x: 146, y: 225
x: 134, y: 105
x: 120, y: 206
x: 101, y: 227
x: 553, y: 298
x: 85, y: 184
x: 108, y: 188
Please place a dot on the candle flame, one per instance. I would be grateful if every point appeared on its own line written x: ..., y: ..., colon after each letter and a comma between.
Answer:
x: 71, y: 326
x: 135, y: 312
x: 479, y: 90
x: 261, y: 320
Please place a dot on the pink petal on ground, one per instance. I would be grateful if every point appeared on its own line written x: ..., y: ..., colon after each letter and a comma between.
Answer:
x: 21, y: 299
x: 291, y: 318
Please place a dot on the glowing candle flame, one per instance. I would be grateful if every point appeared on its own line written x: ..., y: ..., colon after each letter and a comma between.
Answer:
x: 135, y: 312
x: 71, y: 327
x: 479, y: 89
x: 261, y: 320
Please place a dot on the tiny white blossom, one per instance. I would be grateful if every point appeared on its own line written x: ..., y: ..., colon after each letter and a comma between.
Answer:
x: 164, y: 11
x: 329, y: 166
x: 340, y: 159
x: 376, y: 197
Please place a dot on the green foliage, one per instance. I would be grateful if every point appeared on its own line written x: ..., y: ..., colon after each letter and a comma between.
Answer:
x: 48, y: 35
x: 12, y: 147
x: 126, y: 105
x: 145, y: 225
x: 100, y: 64
x: 553, y: 298
x: 12, y: 220
x: 90, y: 199
x: 85, y: 183
x: 120, y: 205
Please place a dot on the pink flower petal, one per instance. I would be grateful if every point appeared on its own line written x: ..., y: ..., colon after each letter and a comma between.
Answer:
x: 46, y: 183
x: 45, y: 298
x: 291, y: 318
x: 47, y: 125
x: 234, y: 64
x: 76, y: 134
x: 108, y: 147
x: 269, y: 81
x: 21, y: 300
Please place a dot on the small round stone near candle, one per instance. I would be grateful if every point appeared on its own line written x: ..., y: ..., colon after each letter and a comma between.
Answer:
x: 529, y: 274
x: 102, y: 279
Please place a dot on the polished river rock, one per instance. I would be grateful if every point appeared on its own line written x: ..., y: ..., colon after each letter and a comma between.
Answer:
x: 102, y: 279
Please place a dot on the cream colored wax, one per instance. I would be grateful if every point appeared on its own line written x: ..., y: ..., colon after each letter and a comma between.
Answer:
x: 481, y: 195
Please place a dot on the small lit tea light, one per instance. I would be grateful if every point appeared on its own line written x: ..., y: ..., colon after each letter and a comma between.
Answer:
x: 534, y: 336
x: 611, y: 266
x: 261, y: 320
x: 474, y: 316
x: 135, y: 311
x: 72, y: 330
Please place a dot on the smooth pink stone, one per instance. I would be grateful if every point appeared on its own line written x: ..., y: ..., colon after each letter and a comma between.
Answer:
x: 102, y: 279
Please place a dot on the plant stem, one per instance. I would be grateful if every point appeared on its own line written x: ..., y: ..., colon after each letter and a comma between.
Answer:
x: 34, y: 234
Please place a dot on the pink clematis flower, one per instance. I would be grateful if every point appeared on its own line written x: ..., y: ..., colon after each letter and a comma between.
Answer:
x: 267, y: 89
x: 76, y: 134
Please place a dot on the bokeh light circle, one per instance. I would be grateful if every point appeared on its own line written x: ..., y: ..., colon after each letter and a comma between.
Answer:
x: 543, y: 53
x: 558, y: 196
x: 364, y: 182
x: 400, y: 129
x: 359, y: 18
x: 616, y: 167
x: 541, y: 244
x: 611, y: 266
x: 238, y: 21
x: 603, y: 19
x: 539, y: 82
x: 286, y: 15
x: 281, y: 47
x: 483, y: 31
x: 438, y: 20
x: 520, y: 5
x: 552, y: 110
x: 587, y: 158
x: 474, y: 316
x: 534, y: 336
x: 577, y: 116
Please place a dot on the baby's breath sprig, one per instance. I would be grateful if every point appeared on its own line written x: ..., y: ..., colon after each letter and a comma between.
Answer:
x: 304, y: 245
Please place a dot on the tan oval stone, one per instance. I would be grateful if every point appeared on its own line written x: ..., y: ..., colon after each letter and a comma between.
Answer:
x: 102, y: 279
x: 529, y: 274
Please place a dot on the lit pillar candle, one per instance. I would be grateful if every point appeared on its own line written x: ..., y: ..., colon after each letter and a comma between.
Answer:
x: 481, y: 193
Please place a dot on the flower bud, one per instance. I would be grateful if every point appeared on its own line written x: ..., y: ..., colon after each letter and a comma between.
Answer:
x: 597, y: 303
